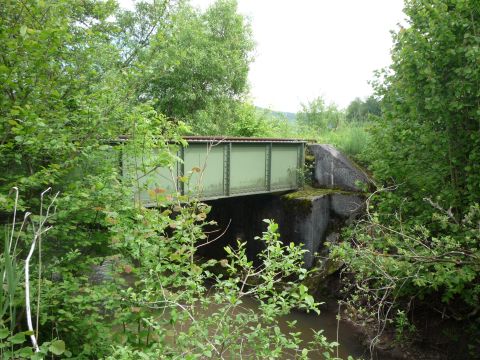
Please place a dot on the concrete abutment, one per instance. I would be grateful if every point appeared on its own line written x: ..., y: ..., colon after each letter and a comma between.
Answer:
x: 307, y: 217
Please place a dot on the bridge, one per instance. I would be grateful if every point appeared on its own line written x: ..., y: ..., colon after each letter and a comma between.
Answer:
x: 212, y: 168
x: 219, y: 167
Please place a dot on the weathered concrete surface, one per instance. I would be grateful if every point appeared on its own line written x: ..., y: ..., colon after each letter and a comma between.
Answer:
x: 305, y: 217
x: 333, y: 170
x: 347, y: 205
x: 317, y: 213
x: 310, y: 228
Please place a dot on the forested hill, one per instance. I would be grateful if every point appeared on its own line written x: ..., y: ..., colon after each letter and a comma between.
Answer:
x: 291, y: 117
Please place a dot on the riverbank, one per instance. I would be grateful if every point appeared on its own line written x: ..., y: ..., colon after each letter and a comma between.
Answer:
x: 435, y: 338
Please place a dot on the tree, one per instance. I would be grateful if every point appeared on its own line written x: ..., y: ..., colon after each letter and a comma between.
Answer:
x: 195, y: 62
x: 65, y: 93
x: 420, y: 240
x: 360, y: 110
x: 319, y: 116
x: 429, y: 137
x: 236, y: 118
x: 56, y: 79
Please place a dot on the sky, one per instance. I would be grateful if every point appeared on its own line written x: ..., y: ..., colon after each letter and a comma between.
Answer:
x: 310, y: 48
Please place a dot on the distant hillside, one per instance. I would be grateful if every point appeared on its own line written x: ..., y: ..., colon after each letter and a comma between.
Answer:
x: 291, y: 117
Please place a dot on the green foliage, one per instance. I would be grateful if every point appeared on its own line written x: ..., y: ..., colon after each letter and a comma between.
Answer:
x: 229, y: 118
x: 428, y: 139
x: 279, y: 126
x: 195, y: 65
x: 352, y: 139
x: 397, y: 263
x: 187, y: 317
x: 419, y: 243
x: 361, y: 111
x: 64, y: 96
x: 59, y: 107
x: 319, y: 116
x: 404, y: 329
x: 319, y: 122
x: 323, y: 123
x: 14, y: 344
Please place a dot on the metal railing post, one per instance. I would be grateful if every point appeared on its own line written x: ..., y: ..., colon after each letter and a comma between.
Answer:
x: 227, y: 150
x: 268, y: 167
x: 301, y: 165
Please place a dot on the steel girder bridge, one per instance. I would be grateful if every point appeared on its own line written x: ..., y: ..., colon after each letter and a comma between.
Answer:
x: 219, y: 167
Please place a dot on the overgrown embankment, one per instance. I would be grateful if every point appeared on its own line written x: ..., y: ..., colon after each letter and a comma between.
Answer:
x: 415, y: 261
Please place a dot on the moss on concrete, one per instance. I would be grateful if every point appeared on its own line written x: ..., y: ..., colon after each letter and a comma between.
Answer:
x: 298, y: 205
x: 309, y: 193
x: 309, y: 158
x: 300, y: 202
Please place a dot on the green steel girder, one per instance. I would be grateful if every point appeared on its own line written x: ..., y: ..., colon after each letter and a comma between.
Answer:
x: 218, y: 168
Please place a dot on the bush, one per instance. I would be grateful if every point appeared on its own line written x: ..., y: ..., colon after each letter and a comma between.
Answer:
x: 392, y: 266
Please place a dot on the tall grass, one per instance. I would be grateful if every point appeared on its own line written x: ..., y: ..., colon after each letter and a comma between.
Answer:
x: 9, y: 274
x: 12, y: 267
x: 352, y: 139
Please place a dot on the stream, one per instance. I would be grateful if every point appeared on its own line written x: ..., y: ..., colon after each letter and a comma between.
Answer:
x: 307, y: 323
x: 350, y: 344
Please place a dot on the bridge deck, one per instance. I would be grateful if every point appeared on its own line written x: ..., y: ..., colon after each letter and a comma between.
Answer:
x: 218, y: 167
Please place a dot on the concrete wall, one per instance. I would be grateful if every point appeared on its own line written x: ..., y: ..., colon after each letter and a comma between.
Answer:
x: 305, y: 217
x: 333, y: 170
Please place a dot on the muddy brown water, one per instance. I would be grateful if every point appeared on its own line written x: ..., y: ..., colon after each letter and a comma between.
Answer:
x: 345, y: 333
x: 307, y: 323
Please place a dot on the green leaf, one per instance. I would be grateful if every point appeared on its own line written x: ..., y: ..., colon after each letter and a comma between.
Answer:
x: 25, y: 352
x: 37, y: 356
x: 17, y: 338
x: 23, y: 30
x: 207, y: 353
x: 57, y: 347
x: 309, y: 300
x: 4, y: 332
